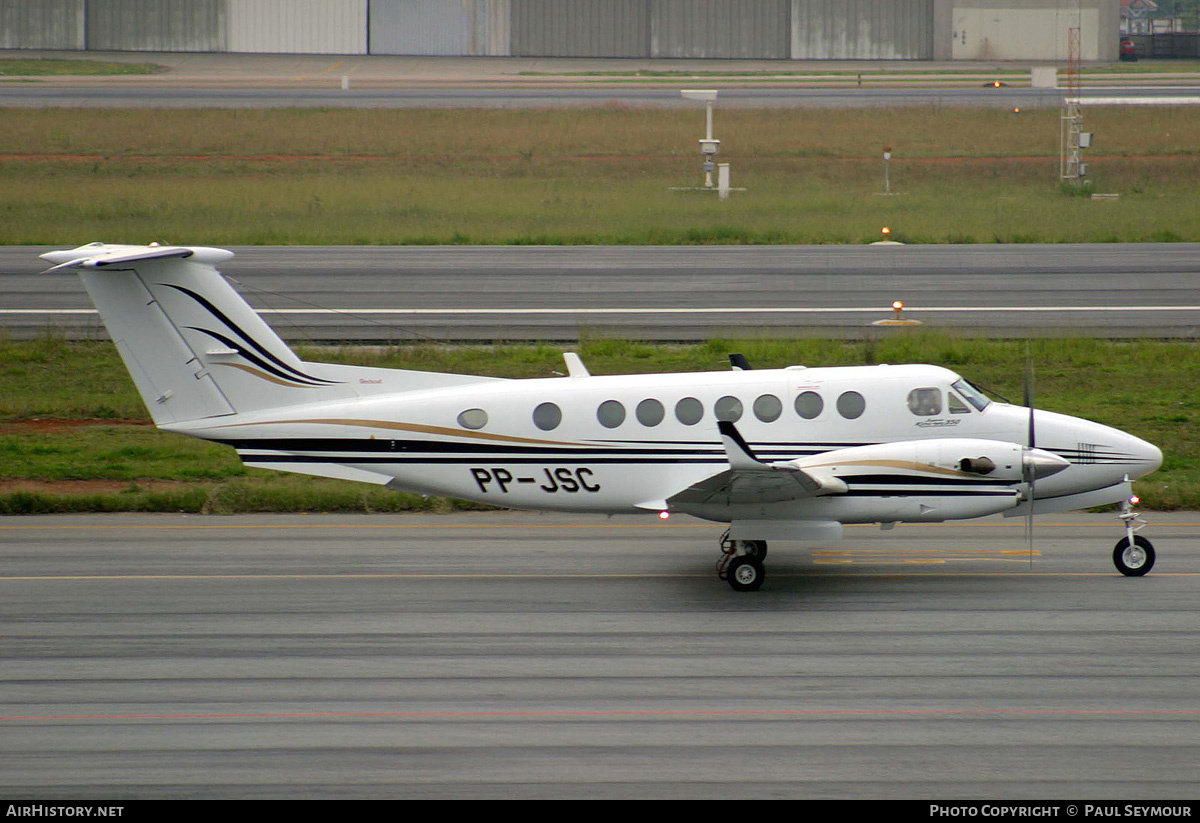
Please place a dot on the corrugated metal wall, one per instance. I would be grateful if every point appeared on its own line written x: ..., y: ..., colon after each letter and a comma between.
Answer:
x: 468, y: 27
x: 862, y: 30
x: 298, y: 26
x: 156, y: 25
x: 764, y: 29
x: 720, y: 28
x: 580, y: 28
x: 41, y: 24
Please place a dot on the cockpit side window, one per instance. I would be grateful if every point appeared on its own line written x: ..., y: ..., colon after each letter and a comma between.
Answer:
x: 956, y: 405
x: 972, y: 395
x: 925, y: 402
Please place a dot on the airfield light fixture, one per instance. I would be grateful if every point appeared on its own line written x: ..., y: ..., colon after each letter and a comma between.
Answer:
x: 664, y: 514
x: 898, y: 306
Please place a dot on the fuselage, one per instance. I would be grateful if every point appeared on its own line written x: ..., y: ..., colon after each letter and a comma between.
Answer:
x: 625, y: 443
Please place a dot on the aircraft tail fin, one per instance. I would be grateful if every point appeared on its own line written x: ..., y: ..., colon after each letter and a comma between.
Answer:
x: 196, y: 349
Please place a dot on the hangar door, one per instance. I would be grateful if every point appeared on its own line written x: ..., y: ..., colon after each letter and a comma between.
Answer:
x: 862, y: 29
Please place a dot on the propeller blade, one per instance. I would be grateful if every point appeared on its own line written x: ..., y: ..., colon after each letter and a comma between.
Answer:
x: 1028, y: 467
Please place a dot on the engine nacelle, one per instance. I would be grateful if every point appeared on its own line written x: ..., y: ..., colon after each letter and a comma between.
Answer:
x: 947, y: 457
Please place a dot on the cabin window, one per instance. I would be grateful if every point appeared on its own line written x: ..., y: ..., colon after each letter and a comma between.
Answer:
x: 767, y: 408
x: 689, y: 411
x: 650, y: 412
x: 809, y: 404
x: 547, y: 416
x: 925, y: 402
x: 956, y: 405
x: 473, y: 419
x: 610, y: 414
x: 728, y: 408
x: 851, y: 405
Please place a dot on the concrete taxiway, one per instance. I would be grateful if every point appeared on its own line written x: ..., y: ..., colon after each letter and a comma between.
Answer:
x: 525, y: 655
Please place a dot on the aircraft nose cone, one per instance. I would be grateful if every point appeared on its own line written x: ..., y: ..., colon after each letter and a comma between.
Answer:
x: 1149, y: 456
x: 1043, y: 463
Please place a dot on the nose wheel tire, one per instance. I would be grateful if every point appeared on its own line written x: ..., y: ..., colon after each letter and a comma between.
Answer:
x: 1133, y: 560
x: 745, y: 573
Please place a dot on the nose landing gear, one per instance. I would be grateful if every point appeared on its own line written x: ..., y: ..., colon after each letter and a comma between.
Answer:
x: 1133, y: 555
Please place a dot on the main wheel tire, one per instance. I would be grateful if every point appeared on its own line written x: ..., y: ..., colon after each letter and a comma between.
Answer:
x: 1135, y: 560
x: 745, y: 573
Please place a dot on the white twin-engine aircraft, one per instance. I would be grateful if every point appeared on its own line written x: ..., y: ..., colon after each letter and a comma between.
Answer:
x: 782, y: 454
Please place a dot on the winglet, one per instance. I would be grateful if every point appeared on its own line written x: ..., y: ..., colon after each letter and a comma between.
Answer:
x: 737, y: 449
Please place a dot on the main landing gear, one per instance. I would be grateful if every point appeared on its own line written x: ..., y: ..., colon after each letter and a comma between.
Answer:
x: 1133, y: 555
x: 741, y: 563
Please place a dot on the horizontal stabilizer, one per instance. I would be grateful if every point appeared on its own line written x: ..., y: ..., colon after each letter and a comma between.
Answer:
x: 100, y: 255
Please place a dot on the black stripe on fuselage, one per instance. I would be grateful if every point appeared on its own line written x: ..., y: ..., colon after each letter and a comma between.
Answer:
x: 475, y: 448
x: 358, y: 445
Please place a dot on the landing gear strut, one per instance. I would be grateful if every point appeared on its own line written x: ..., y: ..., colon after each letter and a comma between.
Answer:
x: 741, y: 563
x: 1133, y: 555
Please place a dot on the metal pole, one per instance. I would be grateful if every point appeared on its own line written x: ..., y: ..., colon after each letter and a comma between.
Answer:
x: 708, y: 178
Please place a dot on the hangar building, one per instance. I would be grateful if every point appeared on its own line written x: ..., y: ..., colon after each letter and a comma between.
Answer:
x: 1027, y: 30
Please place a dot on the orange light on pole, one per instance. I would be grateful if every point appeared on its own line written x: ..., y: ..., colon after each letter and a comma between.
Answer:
x: 898, y: 306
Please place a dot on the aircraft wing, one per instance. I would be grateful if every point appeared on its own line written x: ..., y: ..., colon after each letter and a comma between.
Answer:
x: 749, y: 480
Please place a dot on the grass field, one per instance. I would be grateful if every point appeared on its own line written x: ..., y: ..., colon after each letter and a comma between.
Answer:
x: 74, y: 435
x: 587, y: 176
x: 51, y: 67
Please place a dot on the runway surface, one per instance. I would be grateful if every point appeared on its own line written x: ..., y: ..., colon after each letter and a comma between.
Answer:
x: 518, y: 655
x: 194, y: 80
x: 477, y: 96
x: 669, y: 293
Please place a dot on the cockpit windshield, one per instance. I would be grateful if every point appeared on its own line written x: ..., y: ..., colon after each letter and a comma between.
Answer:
x: 972, y: 395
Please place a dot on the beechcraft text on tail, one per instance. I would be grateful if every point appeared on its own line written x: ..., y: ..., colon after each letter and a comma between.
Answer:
x: 779, y: 454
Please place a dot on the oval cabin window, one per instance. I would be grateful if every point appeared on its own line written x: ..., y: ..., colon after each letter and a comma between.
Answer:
x: 851, y: 405
x: 473, y: 419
